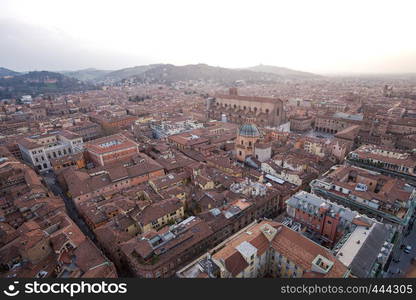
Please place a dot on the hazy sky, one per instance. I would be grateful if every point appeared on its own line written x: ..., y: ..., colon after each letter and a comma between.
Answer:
x: 310, y: 35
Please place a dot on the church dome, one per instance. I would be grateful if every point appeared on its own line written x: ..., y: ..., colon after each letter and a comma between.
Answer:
x: 249, y: 130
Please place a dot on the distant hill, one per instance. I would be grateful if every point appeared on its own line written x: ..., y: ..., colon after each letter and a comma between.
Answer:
x: 40, y: 82
x: 121, y: 74
x: 86, y: 74
x: 167, y: 73
x: 282, y: 71
x: 7, y: 72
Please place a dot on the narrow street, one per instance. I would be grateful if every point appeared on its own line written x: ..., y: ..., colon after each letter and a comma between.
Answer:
x: 50, y: 181
x: 397, y: 269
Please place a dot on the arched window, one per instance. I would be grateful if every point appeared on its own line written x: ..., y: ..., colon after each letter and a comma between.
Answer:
x: 267, y: 110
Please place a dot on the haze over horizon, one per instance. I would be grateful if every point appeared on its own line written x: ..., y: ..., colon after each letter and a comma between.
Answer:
x: 312, y: 36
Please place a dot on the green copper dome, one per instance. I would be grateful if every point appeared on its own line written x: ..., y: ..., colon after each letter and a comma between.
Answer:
x: 249, y: 130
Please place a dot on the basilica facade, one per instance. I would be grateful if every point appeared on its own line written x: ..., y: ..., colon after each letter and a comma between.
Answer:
x: 235, y: 108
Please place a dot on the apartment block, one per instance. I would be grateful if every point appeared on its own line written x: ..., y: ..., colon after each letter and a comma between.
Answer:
x: 40, y: 150
x: 266, y: 248
x: 387, y: 199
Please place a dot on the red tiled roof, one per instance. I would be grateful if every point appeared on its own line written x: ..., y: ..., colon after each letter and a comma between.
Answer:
x: 235, y: 263
x: 121, y: 142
